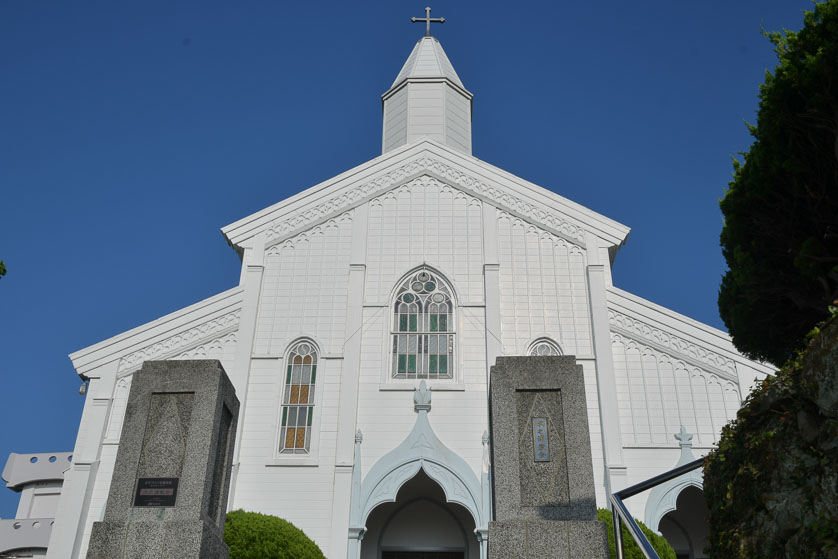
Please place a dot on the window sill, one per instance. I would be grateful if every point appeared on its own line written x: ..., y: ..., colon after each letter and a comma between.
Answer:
x: 305, y: 461
x: 410, y: 385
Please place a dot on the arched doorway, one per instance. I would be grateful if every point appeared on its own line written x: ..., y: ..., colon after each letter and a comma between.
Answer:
x: 420, y: 524
x: 686, y: 528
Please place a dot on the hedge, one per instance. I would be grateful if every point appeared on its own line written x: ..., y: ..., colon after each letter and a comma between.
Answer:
x: 251, y: 535
x: 632, y: 551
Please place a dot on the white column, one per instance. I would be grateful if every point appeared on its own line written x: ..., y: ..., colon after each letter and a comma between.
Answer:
x: 348, y: 405
x: 71, y: 516
x: 253, y: 265
x: 609, y: 413
x: 491, y: 286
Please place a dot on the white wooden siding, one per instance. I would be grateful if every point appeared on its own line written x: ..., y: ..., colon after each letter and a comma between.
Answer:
x: 543, y: 289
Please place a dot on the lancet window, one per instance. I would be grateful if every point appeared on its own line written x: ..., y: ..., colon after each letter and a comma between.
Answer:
x: 298, y: 399
x: 544, y: 347
x: 423, y: 328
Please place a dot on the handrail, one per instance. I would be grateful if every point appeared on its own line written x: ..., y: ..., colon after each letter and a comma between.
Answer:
x: 620, y: 513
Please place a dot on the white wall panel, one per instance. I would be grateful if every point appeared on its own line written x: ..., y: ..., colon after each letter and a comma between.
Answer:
x: 658, y: 392
x: 543, y: 290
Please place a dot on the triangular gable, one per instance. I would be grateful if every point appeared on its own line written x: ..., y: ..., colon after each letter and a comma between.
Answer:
x: 504, y: 190
x: 166, y: 336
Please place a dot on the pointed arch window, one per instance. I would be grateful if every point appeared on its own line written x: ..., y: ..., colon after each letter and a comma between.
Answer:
x: 298, y: 399
x: 543, y: 347
x: 423, y: 328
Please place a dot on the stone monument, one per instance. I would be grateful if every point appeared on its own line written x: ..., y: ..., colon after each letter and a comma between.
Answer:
x: 168, y: 494
x: 544, y: 500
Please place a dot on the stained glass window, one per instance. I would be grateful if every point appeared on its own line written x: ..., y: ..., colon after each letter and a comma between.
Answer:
x: 298, y: 399
x: 544, y: 347
x: 423, y: 329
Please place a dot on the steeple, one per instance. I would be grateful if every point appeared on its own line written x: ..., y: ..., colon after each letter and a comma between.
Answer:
x: 427, y: 100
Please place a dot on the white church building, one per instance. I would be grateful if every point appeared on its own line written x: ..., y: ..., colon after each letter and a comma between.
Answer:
x: 424, y: 263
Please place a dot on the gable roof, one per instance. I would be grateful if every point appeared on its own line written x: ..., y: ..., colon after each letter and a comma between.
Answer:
x: 497, y: 187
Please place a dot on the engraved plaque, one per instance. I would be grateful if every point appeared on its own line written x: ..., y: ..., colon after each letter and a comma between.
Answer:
x: 156, y: 492
x: 540, y: 439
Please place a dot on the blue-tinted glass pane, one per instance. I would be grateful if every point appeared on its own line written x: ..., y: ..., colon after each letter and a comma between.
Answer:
x: 313, y: 373
x: 402, y: 363
x: 403, y: 323
x: 433, y: 363
x: 284, y: 416
x: 411, y: 363
x: 434, y: 322
x: 443, y: 323
x: 288, y: 378
x: 413, y: 323
x: 443, y: 363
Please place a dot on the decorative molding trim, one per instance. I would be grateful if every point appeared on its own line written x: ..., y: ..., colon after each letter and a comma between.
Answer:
x: 665, y: 341
x: 203, y: 351
x: 468, y: 183
x: 693, y: 367
x: 278, y: 238
x: 570, y: 244
x: 181, y: 342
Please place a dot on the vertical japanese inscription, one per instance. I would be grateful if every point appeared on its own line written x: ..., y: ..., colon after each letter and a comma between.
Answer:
x: 540, y: 439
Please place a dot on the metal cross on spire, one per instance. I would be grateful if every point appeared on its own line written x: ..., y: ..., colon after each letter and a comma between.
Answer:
x: 428, y: 20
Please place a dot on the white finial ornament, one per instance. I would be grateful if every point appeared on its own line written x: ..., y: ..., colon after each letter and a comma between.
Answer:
x: 422, y: 398
x: 428, y: 20
x: 684, y: 438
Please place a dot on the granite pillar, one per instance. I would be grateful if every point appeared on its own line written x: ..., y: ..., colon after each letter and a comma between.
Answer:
x: 168, y: 494
x: 544, y: 497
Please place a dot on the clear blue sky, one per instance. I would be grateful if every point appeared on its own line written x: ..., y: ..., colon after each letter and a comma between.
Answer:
x: 131, y: 132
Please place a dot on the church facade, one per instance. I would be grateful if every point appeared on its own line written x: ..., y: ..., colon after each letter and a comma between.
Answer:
x: 423, y: 264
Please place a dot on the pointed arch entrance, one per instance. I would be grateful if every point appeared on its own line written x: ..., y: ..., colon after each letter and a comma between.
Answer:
x: 420, y: 463
x: 420, y: 524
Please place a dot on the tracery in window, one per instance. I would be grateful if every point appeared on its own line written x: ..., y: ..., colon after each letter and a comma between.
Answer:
x: 544, y: 347
x: 298, y: 399
x: 423, y: 329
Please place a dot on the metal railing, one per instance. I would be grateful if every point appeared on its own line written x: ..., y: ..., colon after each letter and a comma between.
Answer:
x: 621, y: 515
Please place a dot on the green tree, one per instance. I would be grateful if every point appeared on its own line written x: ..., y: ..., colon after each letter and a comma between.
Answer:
x: 632, y: 550
x: 780, y: 237
x: 251, y: 535
x: 2, y: 269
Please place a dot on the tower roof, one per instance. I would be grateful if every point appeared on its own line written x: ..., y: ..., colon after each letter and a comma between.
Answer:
x: 428, y: 60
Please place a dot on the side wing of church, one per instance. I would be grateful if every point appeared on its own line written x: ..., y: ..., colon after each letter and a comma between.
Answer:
x: 423, y: 264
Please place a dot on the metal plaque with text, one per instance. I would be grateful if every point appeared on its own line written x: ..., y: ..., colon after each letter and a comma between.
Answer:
x: 156, y: 492
x: 540, y: 440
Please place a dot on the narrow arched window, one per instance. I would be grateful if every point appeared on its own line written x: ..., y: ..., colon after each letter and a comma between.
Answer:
x: 298, y: 399
x: 544, y: 347
x: 423, y: 328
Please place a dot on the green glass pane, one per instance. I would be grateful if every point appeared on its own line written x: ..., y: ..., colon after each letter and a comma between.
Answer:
x: 284, y: 416
x: 433, y: 364
x: 413, y: 323
x: 443, y: 363
x: 313, y: 373
x: 402, y: 363
x: 443, y: 323
x: 288, y: 378
x: 434, y: 322
x: 309, y: 416
x: 411, y: 363
x: 403, y: 323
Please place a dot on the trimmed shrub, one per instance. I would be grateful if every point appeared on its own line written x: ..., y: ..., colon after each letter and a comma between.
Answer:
x: 251, y: 535
x: 632, y: 551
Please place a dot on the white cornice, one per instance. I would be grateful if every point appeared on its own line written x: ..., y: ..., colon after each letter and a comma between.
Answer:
x: 526, y: 200
x: 643, y: 320
x: 178, y: 331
